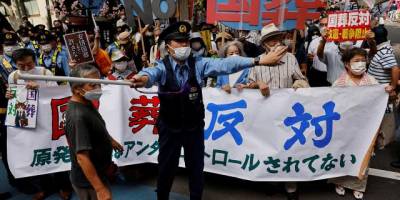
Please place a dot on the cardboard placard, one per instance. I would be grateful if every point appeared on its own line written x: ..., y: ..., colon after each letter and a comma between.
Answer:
x: 348, y: 25
x: 78, y: 47
x: 22, y: 110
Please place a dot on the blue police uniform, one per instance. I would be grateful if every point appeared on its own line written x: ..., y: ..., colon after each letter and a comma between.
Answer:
x: 56, y: 60
x: 181, y: 117
x: 7, y: 66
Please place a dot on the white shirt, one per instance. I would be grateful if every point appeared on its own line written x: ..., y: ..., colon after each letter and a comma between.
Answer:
x: 333, y: 60
x: 12, y: 78
x: 312, y: 49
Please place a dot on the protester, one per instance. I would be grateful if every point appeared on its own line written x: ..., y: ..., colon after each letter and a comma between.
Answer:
x: 26, y: 64
x: 26, y: 61
x: 198, y: 46
x: 125, y: 44
x: 296, y: 46
x: 318, y: 70
x: 120, y: 70
x: 90, y: 144
x: 331, y: 56
x: 235, y: 80
x: 285, y: 74
x: 355, y: 61
x: 181, y: 119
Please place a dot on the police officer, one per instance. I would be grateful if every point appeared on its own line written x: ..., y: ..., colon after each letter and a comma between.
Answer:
x: 26, y: 41
x: 181, y: 119
x: 51, y: 57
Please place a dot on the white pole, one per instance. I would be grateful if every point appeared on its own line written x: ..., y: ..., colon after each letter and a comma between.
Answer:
x: 71, y: 79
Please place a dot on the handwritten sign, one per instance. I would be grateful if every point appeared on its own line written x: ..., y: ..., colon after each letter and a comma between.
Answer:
x: 348, y: 25
x: 254, y: 14
x: 78, y: 47
x: 22, y: 109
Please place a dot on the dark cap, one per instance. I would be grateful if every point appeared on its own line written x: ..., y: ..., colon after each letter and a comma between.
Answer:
x: 45, y: 37
x: 23, y: 32
x: 9, y: 38
x: 176, y: 31
x: 39, y: 28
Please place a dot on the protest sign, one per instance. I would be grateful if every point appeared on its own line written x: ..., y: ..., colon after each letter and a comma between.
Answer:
x: 22, y: 110
x: 78, y: 47
x: 348, y: 25
x: 302, y: 135
x: 254, y: 14
x: 145, y: 10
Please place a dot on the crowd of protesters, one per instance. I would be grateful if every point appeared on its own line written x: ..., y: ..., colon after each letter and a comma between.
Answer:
x: 309, y: 60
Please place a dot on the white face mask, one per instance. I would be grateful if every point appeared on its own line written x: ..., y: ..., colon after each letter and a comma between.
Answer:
x: 46, y: 48
x: 8, y: 50
x: 31, y: 71
x: 26, y: 40
x: 322, y: 30
x: 198, y: 53
x: 287, y: 42
x: 182, y: 53
x: 358, y: 68
x: 93, y: 94
x: 121, y: 66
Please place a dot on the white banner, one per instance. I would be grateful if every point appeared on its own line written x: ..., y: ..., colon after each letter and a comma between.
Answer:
x: 303, y: 135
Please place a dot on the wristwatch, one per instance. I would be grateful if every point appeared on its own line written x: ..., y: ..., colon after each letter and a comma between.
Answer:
x: 257, y: 60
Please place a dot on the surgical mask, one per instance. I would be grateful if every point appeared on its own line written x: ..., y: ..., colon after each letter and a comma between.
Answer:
x: 121, y: 66
x: 358, y: 68
x: 93, y: 94
x: 31, y: 71
x: 26, y: 40
x: 287, y: 42
x: 198, y: 53
x: 233, y: 55
x: 8, y: 50
x: 182, y: 53
x: 46, y: 48
x: 322, y: 30
x: 314, y: 37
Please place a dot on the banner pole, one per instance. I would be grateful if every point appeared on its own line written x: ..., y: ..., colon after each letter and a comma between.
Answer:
x: 70, y: 79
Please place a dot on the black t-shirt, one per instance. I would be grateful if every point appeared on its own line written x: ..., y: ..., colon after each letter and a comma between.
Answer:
x: 86, y: 131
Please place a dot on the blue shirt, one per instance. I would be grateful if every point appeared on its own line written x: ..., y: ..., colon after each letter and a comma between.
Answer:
x: 205, y: 67
x: 30, y: 46
x: 62, y: 61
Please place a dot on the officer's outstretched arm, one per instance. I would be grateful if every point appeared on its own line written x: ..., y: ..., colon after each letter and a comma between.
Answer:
x: 139, y: 81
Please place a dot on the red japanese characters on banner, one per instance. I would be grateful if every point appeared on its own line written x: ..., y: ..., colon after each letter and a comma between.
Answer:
x: 348, y: 26
x: 253, y: 14
x: 58, y: 108
x: 231, y: 10
x: 144, y: 112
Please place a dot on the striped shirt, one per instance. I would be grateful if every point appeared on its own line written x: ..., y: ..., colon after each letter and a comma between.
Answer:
x: 280, y: 76
x: 382, y: 63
